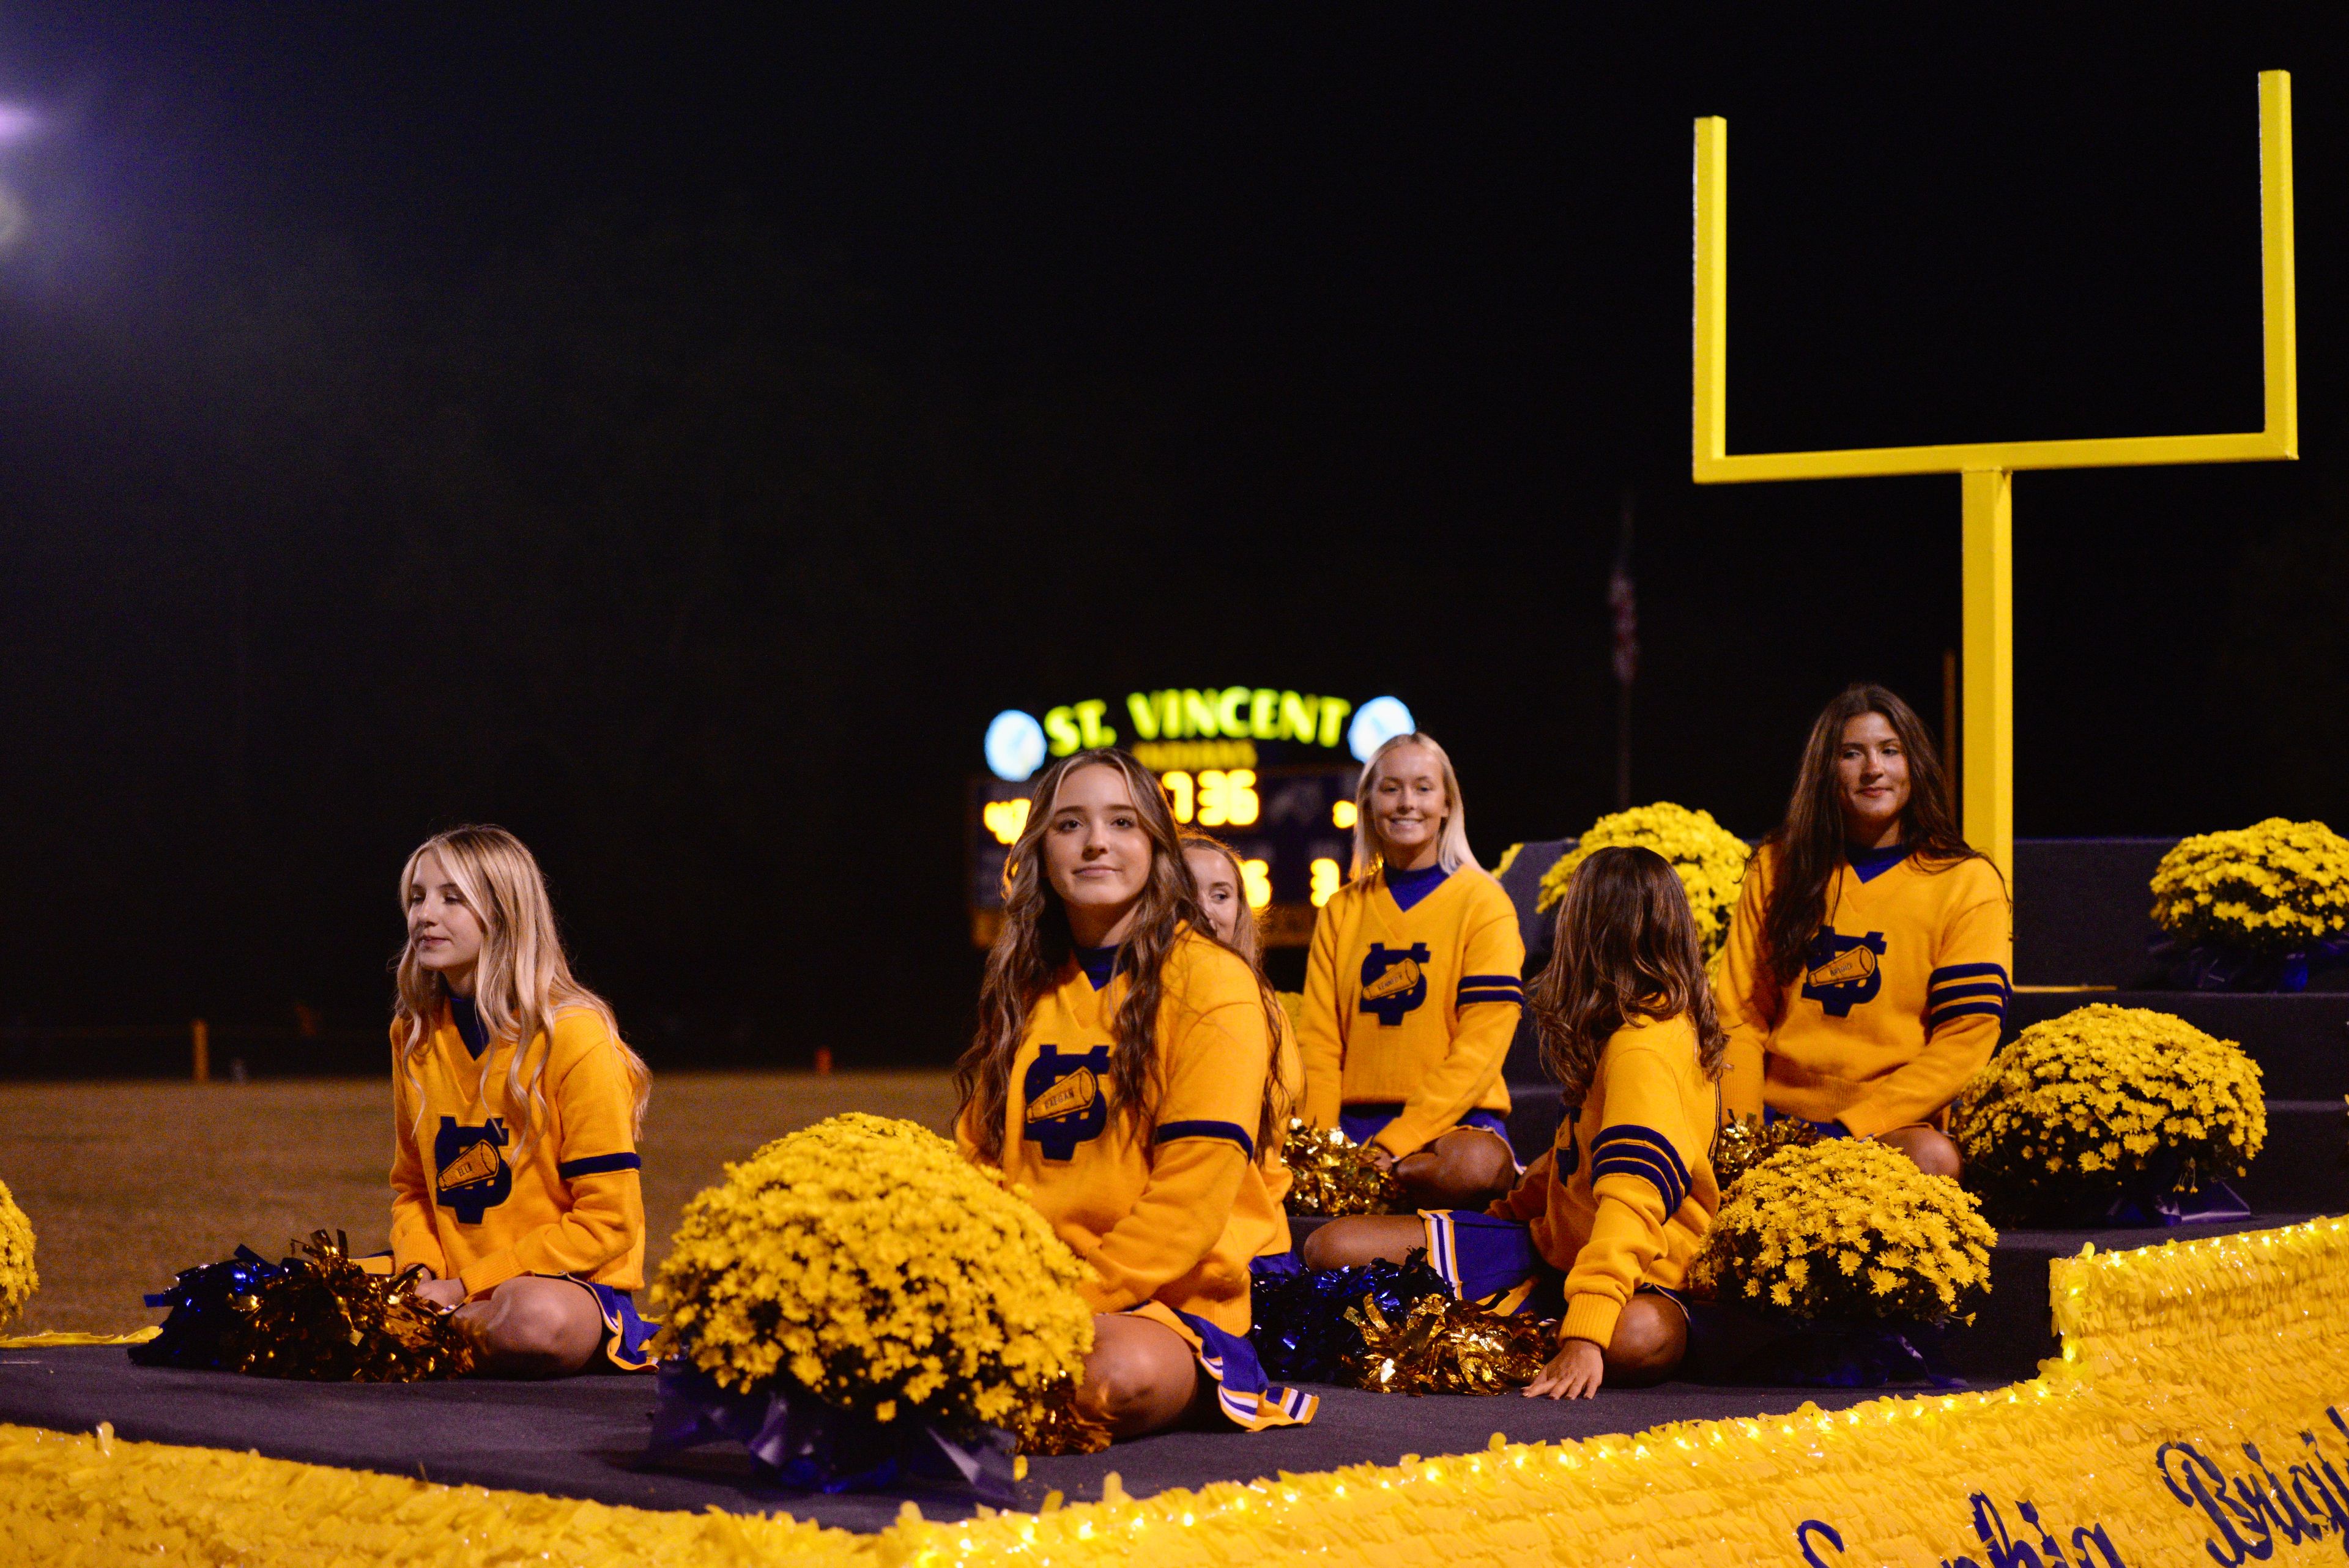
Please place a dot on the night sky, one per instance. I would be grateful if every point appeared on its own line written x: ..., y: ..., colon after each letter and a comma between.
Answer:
x: 674, y: 439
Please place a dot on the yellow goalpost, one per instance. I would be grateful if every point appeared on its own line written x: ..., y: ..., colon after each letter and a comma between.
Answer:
x: 1987, y: 468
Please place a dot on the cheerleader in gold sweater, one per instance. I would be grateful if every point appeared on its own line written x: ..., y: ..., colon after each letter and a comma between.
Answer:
x: 514, y: 1174
x: 1865, y: 975
x: 1221, y: 888
x: 1121, y: 1075
x: 1413, y: 989
x: 1600, y: 1230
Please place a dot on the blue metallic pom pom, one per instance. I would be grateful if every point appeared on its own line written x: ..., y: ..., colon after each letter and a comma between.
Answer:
x: 204, y: 1325
x: 1302, y: 1331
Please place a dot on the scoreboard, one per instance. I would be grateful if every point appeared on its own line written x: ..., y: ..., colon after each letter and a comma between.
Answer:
x: 1269, y: 771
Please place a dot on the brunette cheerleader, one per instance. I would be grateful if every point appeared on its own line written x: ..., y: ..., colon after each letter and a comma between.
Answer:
x: 1121, y: 1076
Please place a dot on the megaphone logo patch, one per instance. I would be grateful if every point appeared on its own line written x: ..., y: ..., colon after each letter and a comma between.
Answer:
x: 472, y: 1173
x: 1393, y: 984
x: 1841, y: 972
x: 1068, y: 1099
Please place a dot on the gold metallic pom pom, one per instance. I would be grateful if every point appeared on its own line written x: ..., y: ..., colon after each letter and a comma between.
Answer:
x: 328, y: 1319
x: 1445, y: 1345
x: 1745, y: 1143
x: 1333, y: 1174
x: 1053, y: 1423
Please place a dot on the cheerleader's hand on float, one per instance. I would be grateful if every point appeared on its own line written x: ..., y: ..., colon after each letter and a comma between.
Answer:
x: 446, y: 1294
x: 1574, y: 1373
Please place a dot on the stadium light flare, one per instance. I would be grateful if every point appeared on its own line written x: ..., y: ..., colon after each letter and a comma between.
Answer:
x: 1376, y: 722
x: 1015, y: 746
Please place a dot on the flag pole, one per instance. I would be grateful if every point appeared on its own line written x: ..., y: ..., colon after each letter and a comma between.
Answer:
x: 1623, y: 605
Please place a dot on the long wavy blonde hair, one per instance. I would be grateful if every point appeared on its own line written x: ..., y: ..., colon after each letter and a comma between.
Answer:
x: 522, y: 983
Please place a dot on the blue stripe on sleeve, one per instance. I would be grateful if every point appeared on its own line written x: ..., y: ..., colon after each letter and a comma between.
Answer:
x: 1510, y: 981
x: 1631, y: 1132
x: 597, y: 1165
x: 1230, y: 1131
x: 1971, y: 988
x: 1641, y: 1161
x: 1940, y: 1016
x: 1466, y: 996
x: 1647, y: 1169
x: 1967, y: 971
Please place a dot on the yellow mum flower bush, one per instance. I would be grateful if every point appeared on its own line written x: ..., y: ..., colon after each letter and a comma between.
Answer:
x: 2274, y: 886
x: 2104, y: 1101
x: 1709, y: 859
x: 866, y: 1261
x: 17, y: 1279
x: 1847, y: 1229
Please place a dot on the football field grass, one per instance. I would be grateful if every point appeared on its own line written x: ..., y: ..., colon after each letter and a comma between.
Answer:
x: 127, y: 1183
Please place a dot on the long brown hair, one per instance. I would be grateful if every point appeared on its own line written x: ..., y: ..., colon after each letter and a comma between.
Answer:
x: 1035, y: 944
x: 1808, y: 845
x: 1625, y: 946
x: 521, y: 982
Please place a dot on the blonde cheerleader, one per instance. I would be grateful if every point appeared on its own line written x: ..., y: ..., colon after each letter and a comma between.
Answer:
x: 514, y: 1174
x: 1412, y: 987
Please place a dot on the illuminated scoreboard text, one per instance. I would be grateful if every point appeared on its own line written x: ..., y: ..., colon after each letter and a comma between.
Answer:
x: 1263, y: 768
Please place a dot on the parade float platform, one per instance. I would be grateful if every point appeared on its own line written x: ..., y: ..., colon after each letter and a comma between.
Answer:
x: 583, y: 1437
x: 2188, y: 1373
